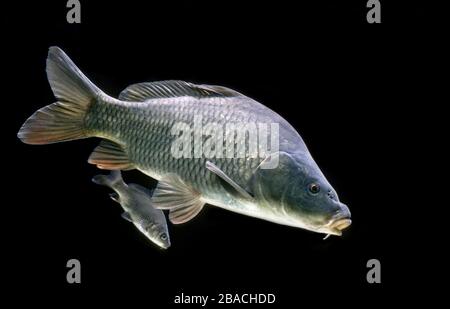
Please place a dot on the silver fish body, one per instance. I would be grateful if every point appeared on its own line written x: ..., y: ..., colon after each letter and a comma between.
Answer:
x: 144, y: 130
x: 138, y: 129
x: 136, y: 203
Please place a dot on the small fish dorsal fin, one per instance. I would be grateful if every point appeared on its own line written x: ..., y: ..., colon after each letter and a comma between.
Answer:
x: 173, y: 88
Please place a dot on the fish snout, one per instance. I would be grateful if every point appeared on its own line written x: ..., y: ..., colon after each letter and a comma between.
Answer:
x: 344, y: 211
x: 164, y: 245
x: 164, y: 240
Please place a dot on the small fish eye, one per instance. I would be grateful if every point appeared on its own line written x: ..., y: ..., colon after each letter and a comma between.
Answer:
x: 314, y: 188
x: 163, y: 236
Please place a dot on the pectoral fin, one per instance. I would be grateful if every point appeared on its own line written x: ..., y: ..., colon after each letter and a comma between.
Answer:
x: 183, y: 202
x: 126, y: 216
x: 115, y: 197
x: 216, y: 170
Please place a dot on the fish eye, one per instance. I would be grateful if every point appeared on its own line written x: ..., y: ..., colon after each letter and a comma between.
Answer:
x: 163, y: 236
x: 314, y: 188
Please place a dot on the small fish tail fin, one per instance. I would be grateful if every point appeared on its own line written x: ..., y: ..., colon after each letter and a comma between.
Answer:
x: 113, y: 180
x: 63, y: 120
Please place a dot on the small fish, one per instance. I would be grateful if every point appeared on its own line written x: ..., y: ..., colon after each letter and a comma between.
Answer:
x: 136, y: 203
x: 137, y: 132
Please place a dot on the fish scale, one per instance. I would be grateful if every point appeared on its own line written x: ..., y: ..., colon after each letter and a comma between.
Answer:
x: 151, y: 122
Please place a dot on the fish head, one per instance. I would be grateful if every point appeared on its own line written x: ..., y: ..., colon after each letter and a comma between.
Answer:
x: 158, y: 233
x: 296, y: 193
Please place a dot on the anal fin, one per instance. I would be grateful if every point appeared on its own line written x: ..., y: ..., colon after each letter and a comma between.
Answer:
x: 110, y: 156
x: 179, y: 215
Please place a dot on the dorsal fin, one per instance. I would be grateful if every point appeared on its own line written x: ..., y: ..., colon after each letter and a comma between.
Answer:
x: 171, y: 89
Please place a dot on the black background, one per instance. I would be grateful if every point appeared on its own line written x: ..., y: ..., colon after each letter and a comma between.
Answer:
x: 338, y: 80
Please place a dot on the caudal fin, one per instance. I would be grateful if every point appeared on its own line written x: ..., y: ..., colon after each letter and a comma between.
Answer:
x: 112, y: 180
x: 63, y: 120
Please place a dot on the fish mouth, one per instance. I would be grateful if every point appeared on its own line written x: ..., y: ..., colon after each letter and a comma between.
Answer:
x: 338, y: 224
x: 161, y: 245
x: 165, y: 246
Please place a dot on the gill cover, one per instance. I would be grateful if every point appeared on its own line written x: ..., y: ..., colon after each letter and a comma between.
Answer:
x: 269, y: 181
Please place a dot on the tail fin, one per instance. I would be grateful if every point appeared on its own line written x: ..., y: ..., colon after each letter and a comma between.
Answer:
x: 63, y: 120
x: 112, y: 180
